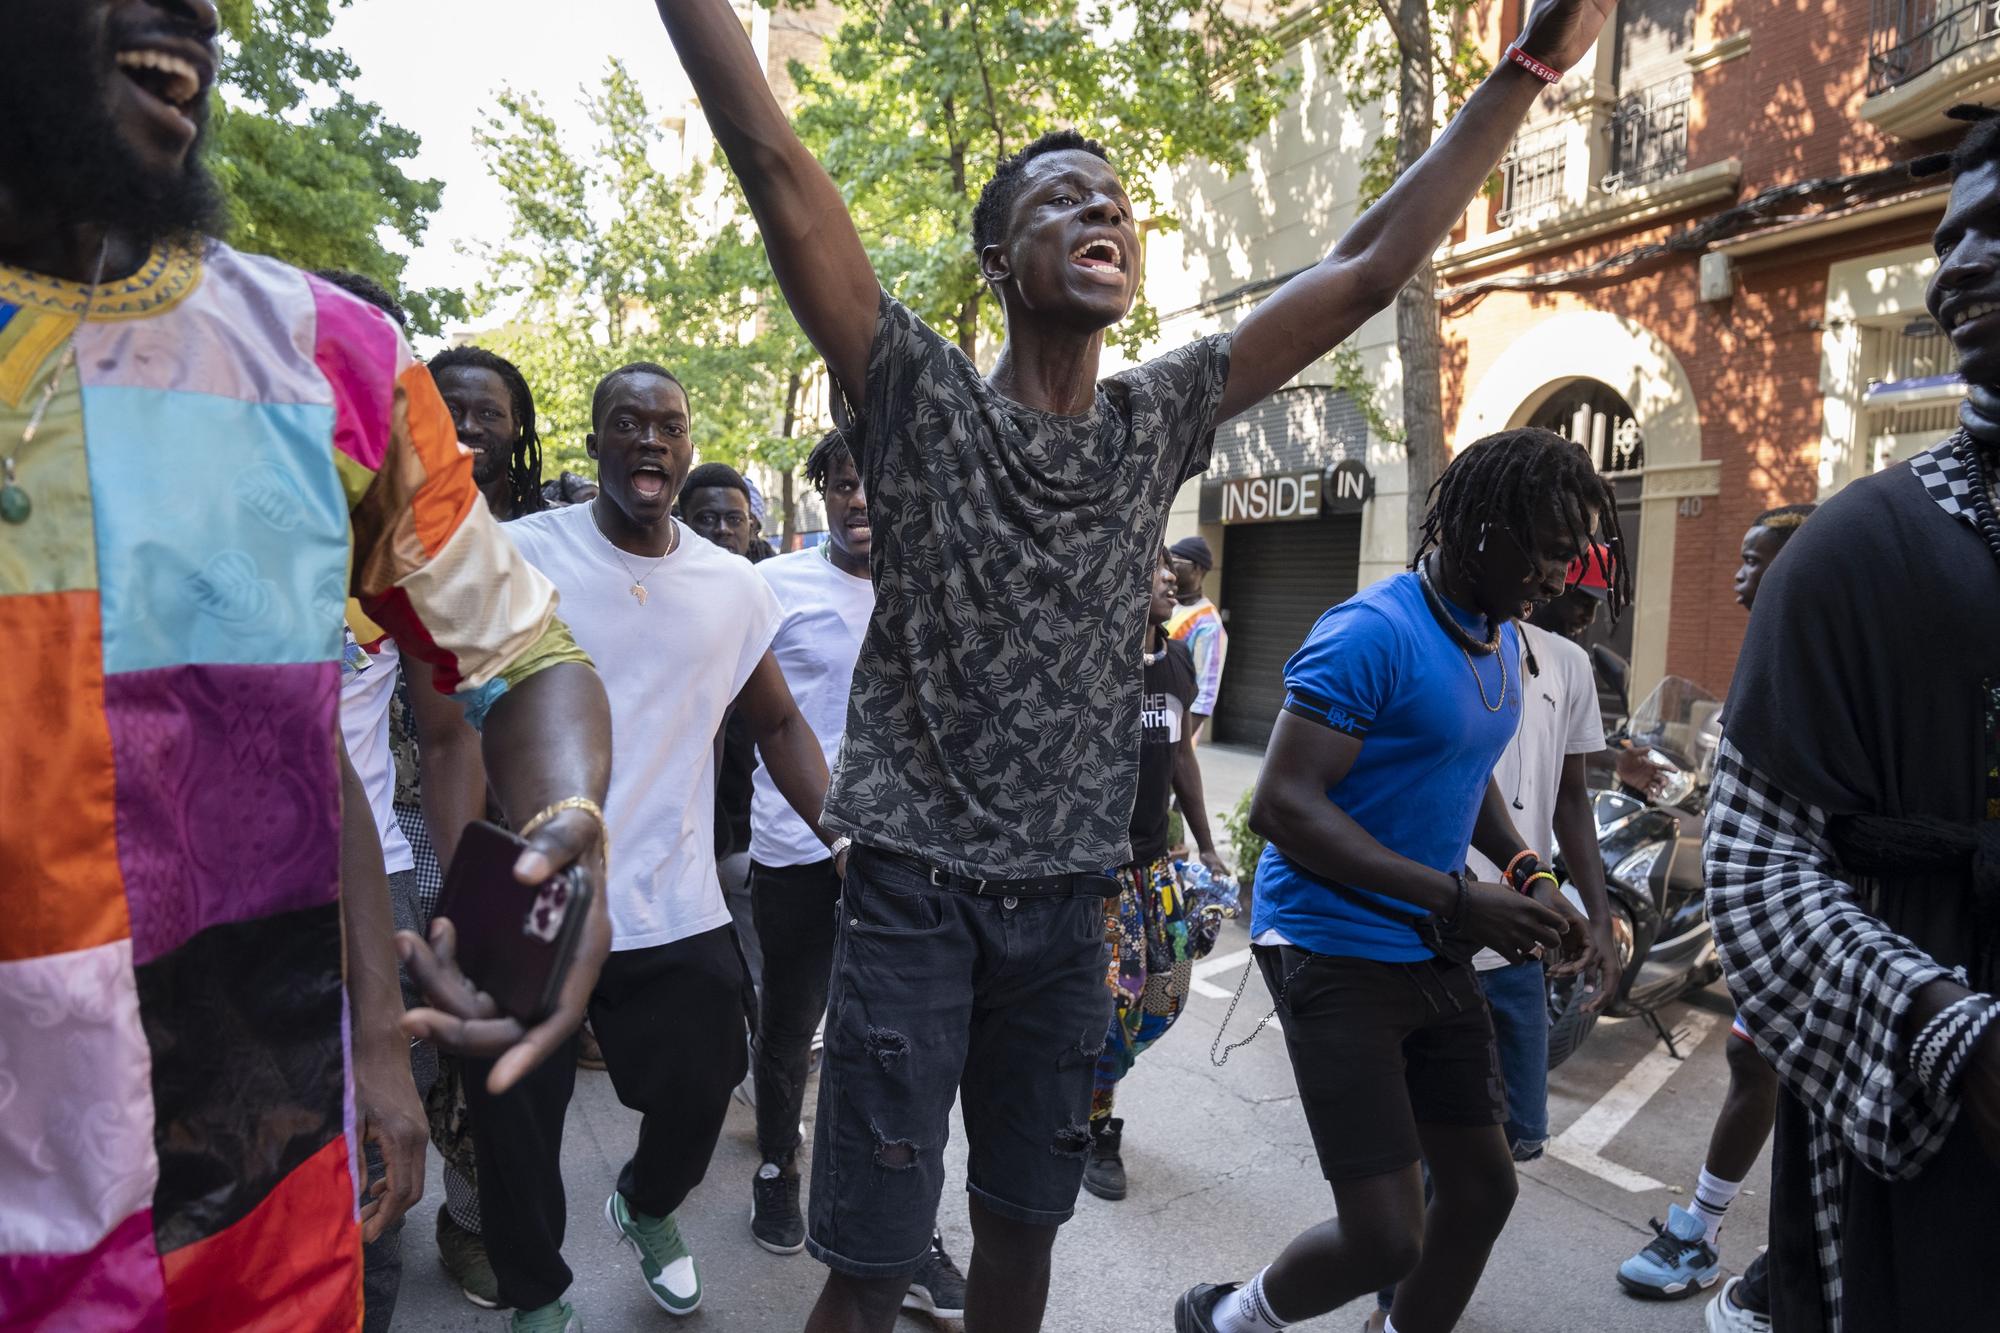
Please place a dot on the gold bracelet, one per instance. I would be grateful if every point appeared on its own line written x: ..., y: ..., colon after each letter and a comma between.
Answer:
x: 583, y: 803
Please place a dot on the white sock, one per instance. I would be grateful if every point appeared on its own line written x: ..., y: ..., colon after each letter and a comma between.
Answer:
x: 1712, y: 1197
x: 1245, y: 1310
x: 1388, y: 1324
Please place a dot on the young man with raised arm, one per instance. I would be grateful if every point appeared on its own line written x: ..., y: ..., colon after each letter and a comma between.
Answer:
x: 987, y: 771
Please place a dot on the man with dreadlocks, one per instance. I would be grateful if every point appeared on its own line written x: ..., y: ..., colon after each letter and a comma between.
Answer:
x: 495, y: 414
x: 988, y: 772
x: 1378, y: 779
x: 1852, y: 857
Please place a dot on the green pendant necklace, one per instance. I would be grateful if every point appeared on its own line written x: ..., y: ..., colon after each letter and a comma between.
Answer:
x: 15, y: 507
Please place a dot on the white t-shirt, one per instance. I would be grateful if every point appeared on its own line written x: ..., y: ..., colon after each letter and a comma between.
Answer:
x: 364, y: 722
x: 671, y: 667
x: 1559, y: 718
x: 826, y: 615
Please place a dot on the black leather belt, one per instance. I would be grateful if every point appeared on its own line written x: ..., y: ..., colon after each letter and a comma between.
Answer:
x: 1075, y: 884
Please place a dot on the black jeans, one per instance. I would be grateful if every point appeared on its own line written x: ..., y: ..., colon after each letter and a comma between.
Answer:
x: 795, y: 909
x: 938, y: 995
x: 670, y: 1022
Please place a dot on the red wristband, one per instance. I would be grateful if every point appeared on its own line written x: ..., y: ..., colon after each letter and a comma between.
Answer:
x: 1546, y: 73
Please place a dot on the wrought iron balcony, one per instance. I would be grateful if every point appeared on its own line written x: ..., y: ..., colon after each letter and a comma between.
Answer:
x: 1649, y: 134
x: 1908, y: 37
x: 1532, y: 175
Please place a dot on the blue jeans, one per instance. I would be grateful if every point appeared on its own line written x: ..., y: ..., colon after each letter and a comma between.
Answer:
x: 1517, y: 996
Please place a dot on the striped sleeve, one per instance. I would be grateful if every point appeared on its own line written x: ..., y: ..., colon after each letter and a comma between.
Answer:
x: 431, y: 565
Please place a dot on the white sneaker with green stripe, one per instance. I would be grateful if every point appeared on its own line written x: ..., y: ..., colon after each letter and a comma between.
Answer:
x: 669, y: 1269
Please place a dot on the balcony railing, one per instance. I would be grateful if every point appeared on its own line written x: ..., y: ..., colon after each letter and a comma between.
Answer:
x: 1649, y: 134
x: 1532, y: 176
x: 1907, y: 37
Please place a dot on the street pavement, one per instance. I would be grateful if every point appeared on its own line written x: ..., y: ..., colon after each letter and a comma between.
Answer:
x: 1223, y: 1175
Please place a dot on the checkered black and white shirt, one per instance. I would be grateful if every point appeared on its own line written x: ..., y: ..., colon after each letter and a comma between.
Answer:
x: 1824, y: 986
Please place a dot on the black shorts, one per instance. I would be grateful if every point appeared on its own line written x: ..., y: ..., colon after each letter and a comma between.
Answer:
x: 1380, y: 1048
x: 938, y: 993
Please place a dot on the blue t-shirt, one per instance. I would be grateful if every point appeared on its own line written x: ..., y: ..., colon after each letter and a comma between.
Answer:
x: 1379, y: 667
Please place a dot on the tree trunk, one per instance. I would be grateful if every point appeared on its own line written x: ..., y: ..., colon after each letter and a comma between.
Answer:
x: 968, y: 310
x: 1418, y: 335
x: 787, y: 486
x: 968, y: 326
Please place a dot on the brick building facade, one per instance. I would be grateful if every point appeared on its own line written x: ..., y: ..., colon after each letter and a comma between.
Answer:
x: 1779, y: 348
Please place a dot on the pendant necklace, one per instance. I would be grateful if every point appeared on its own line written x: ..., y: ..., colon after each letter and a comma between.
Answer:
x: 15, y: 507
x: 1467, y: 645
x: 638, y: 588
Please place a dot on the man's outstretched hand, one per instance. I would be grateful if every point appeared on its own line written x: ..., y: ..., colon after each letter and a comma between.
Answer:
x: 464, y: 1019
x: 1559, y: 32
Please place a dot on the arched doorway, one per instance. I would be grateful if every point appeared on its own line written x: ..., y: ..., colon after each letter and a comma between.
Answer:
x: 1629, y: 362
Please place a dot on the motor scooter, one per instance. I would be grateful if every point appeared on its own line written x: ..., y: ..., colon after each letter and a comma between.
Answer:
x: 1649, y: 830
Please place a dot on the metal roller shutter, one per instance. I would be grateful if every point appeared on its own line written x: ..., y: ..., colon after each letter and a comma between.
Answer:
x: 1277, y: 579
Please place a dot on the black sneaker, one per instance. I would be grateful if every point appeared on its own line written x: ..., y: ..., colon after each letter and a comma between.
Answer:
x: 938, y: 1288
x: 1104, y: 1173
x: 775, y: 1220
x: 1194, y: 1312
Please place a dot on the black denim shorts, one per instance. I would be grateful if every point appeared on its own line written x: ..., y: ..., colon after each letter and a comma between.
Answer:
x: 1380, y: 1048
x: 938, y: 993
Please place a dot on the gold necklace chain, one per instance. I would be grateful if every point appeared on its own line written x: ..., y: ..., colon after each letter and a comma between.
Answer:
x: 15, y: 505
x: 638, y: 588
x: 1500, y: 653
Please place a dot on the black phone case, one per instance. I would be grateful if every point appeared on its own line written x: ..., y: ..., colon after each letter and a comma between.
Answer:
x: 516, y: 941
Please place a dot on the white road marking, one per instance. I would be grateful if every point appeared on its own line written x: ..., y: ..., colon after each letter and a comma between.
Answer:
x: 1208, y: 967
x: 1582, y: 1144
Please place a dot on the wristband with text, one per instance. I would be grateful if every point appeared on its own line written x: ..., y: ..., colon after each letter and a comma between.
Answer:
x: 1546, y: 73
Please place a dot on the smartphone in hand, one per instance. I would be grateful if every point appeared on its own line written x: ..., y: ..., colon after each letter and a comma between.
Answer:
x: 516, y: 941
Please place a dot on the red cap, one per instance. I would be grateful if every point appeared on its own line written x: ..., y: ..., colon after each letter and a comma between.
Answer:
x: 1592, y: 572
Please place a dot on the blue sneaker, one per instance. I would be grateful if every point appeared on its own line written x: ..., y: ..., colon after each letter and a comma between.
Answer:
x: 1678, y: 1262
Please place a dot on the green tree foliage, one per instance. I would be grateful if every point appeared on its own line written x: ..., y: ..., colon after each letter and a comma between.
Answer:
x: 615, y: 255
x: 313, y: 175
x: 921, y: 98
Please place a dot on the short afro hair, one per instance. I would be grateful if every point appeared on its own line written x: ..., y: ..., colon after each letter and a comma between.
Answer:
x: 1978, y: 146
x: 362, y: 287
x: 1785, y: 520
x: 713, y: 476
x: 601, y: 396
x: 996, y: 202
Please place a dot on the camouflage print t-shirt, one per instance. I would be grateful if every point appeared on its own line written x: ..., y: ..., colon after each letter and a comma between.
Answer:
x: 993, y: 727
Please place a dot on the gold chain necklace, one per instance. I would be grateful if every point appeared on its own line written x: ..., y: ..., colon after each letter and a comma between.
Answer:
x: 1481, y: 683
x: 638, y: 588
x: 15, y: 506
x: 1464, y: 641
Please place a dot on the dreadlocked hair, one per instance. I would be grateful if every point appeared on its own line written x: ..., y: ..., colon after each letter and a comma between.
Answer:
x: 1980, y: 144
x: 996, y: 202
x: 524, y: 463
x: 1509, y: 479
x: 832, y: 447
x: 1784, y: 520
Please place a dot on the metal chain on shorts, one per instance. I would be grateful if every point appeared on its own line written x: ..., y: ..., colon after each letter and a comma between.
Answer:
x: 1284, y: 988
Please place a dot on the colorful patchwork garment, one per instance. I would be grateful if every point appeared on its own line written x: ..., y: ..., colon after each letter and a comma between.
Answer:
x: 233, y: 448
